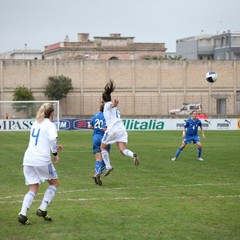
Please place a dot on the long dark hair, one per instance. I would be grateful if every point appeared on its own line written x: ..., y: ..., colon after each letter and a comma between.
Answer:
x: 108, y: 89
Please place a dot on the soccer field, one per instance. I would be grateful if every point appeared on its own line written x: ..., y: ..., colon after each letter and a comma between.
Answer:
x: 160, y: 199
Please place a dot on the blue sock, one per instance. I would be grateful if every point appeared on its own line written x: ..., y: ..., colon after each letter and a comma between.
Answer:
x: 103, y: 166
x: 98, y: 167
x: 199, y: 152
x: 178, y: 152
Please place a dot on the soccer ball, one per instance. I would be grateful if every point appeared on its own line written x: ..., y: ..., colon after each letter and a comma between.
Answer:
x: 211, y: 77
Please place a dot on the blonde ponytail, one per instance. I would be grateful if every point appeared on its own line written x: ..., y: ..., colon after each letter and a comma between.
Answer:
x: 44, y: 111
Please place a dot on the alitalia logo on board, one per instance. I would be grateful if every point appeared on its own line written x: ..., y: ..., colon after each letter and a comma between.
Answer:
x: 146, y: 124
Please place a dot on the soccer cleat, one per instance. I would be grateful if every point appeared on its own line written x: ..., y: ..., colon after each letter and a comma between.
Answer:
x: 97, y: 179
x: 107, y: 172
x: 43, y: 214
x: 136, y: 159
x: 200, y: 159
x: 23, y: 219
x: 174, y: 159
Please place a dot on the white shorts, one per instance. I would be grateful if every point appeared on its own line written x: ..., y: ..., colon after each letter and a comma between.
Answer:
x: 38, y: 174
x: 113, y: 137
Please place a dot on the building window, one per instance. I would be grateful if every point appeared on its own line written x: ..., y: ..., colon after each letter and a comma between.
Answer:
x: 217, y: 42
x: 113, y: 58
x: 221, y: 106
x: 235, y: 41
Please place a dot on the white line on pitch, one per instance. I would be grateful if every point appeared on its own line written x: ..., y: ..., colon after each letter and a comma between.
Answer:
x: 125, y: 188
x: 129, y: 198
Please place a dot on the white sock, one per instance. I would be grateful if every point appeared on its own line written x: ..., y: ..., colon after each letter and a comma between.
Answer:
x: 105, y: 157
x: 47, y: 198
x: 27, y: 202
x: 128, y: 153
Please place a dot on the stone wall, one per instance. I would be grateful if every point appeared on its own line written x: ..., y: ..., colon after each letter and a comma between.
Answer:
x: 144, y: 88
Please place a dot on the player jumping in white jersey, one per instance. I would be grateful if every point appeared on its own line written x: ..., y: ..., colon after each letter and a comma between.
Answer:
x: 37, y: 163
x: 116, y: 131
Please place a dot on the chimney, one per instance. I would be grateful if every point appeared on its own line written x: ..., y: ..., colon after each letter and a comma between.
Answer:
x: 83, y: 37
x: 116, y: 35
x: 66, y: 39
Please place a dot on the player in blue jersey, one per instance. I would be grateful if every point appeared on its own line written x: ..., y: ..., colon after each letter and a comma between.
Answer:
x: 98, y: 124
x: 190, y: 134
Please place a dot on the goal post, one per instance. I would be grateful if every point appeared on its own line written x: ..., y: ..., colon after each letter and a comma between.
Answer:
x: 23, y: 111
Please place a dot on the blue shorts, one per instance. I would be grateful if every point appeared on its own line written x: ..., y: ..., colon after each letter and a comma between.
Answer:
x: 96, y: 142
x: 191, y: 139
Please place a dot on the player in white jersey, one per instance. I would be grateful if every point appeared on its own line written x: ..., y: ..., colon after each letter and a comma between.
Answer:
x: 116, y: 131
x: 37, y: 163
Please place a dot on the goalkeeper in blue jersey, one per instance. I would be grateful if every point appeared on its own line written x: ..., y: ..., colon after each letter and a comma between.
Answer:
x: 190, y: 135
x: 98, y: 124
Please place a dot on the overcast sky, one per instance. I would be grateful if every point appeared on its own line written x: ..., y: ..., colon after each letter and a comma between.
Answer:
x: 38, y: 23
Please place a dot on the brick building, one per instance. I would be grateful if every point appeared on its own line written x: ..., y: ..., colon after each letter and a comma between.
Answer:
x: 113, y: 47
x: 145, y: 88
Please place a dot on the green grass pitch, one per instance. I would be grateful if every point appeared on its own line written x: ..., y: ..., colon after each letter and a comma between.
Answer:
x: 160, y: 199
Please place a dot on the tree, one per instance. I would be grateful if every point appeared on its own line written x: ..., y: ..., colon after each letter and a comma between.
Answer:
x: 58, y: 87
x: 23, y: 94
